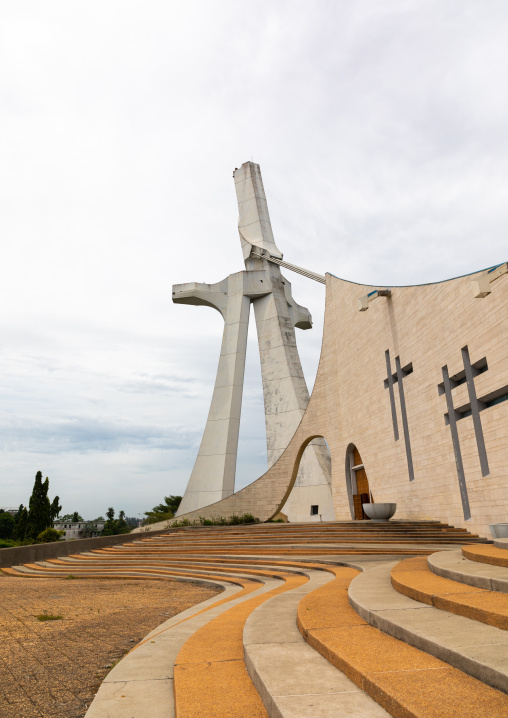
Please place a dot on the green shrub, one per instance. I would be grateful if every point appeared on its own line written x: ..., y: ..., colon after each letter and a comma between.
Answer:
x: 49, y: 535
x: 233, y: 520
x: 6, y: 543
x: 205, y: 522
x: 184, y: 522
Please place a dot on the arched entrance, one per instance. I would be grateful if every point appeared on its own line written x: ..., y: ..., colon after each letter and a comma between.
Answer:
x: 357, y: 483
x: 309, y: 495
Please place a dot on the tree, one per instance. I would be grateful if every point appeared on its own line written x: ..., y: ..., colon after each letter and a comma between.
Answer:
x: 121, y: 524
x: 112, y: 527
x: 17, y: 517
x: 70, y: 517
x: 20, y: 529
x: 55, y: 508
x: 39, y: 508
x: 164, y: 511
x: 6, y: 525
x: 18, y: 513
x: 171, y: 503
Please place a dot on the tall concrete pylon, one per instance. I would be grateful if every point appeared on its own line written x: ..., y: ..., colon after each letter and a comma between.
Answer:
x: 284, y: 389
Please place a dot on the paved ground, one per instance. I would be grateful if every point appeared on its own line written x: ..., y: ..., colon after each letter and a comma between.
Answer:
x: 53, y: 668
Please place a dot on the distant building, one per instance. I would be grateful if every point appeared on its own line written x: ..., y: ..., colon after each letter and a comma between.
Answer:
x: 79, y: 529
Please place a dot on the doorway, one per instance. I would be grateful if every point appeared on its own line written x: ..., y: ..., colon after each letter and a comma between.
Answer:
x: 358, y: 483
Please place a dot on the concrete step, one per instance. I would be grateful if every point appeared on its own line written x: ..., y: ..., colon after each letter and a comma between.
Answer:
x: 455, y: 566
x: 141, y: 684
x: 293, y: 680
x: 207, y: 676
x: 325, y: 536
x: 353, y: 530
x: 210, y: 676
x: 250, y: 635
x: 288, y: 527
x: 472, y: 647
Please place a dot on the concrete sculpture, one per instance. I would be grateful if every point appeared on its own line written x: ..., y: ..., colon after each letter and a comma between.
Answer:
x: 285, y: 392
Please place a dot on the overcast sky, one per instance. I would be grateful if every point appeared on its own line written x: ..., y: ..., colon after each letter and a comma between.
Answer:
x: 381, y: 128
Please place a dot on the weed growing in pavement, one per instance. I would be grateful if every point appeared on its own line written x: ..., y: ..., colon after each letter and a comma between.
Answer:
x: 48, y: 617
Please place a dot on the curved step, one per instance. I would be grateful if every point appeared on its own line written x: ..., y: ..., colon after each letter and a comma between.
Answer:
x: 475, y: 648
x: 455, y: 566
x: 293, y: 680
x: 148, y: 668
x: 414, y: 579
x: 210, y: 646
x: 482, y: 553
x: 210, y: 676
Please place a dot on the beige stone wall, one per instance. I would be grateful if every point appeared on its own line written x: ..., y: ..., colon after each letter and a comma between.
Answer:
x: 426, y: 325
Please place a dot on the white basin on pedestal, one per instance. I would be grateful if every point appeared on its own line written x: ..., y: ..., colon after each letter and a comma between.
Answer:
x: 380, y: 512
x: 499, y: 530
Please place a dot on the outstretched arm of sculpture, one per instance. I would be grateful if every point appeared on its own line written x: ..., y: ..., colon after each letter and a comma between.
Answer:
x: 300, y: 316
x: 207, y: 295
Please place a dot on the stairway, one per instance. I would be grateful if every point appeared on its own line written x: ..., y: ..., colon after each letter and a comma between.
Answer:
x: 315, y: 621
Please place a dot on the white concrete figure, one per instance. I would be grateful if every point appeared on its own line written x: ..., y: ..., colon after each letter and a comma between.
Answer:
x: 285, y: 392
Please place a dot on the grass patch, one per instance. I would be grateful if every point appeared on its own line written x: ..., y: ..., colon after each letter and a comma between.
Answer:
x: 70, y: 577
x: 48, y: 617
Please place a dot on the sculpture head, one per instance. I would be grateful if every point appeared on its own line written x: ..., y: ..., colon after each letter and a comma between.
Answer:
x: 254, y: 225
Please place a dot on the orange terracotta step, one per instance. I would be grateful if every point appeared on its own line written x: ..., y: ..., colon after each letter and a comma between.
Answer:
x: 407, y: 682
x: 210, y: 677
x: 486, y: 554
x: 413, y: 578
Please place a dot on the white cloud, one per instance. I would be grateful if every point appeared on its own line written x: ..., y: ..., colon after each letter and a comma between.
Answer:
x: 382, y: 133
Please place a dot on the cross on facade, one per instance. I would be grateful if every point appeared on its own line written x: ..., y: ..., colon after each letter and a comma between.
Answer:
x: 472, y: 408
x: 393, y: 378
